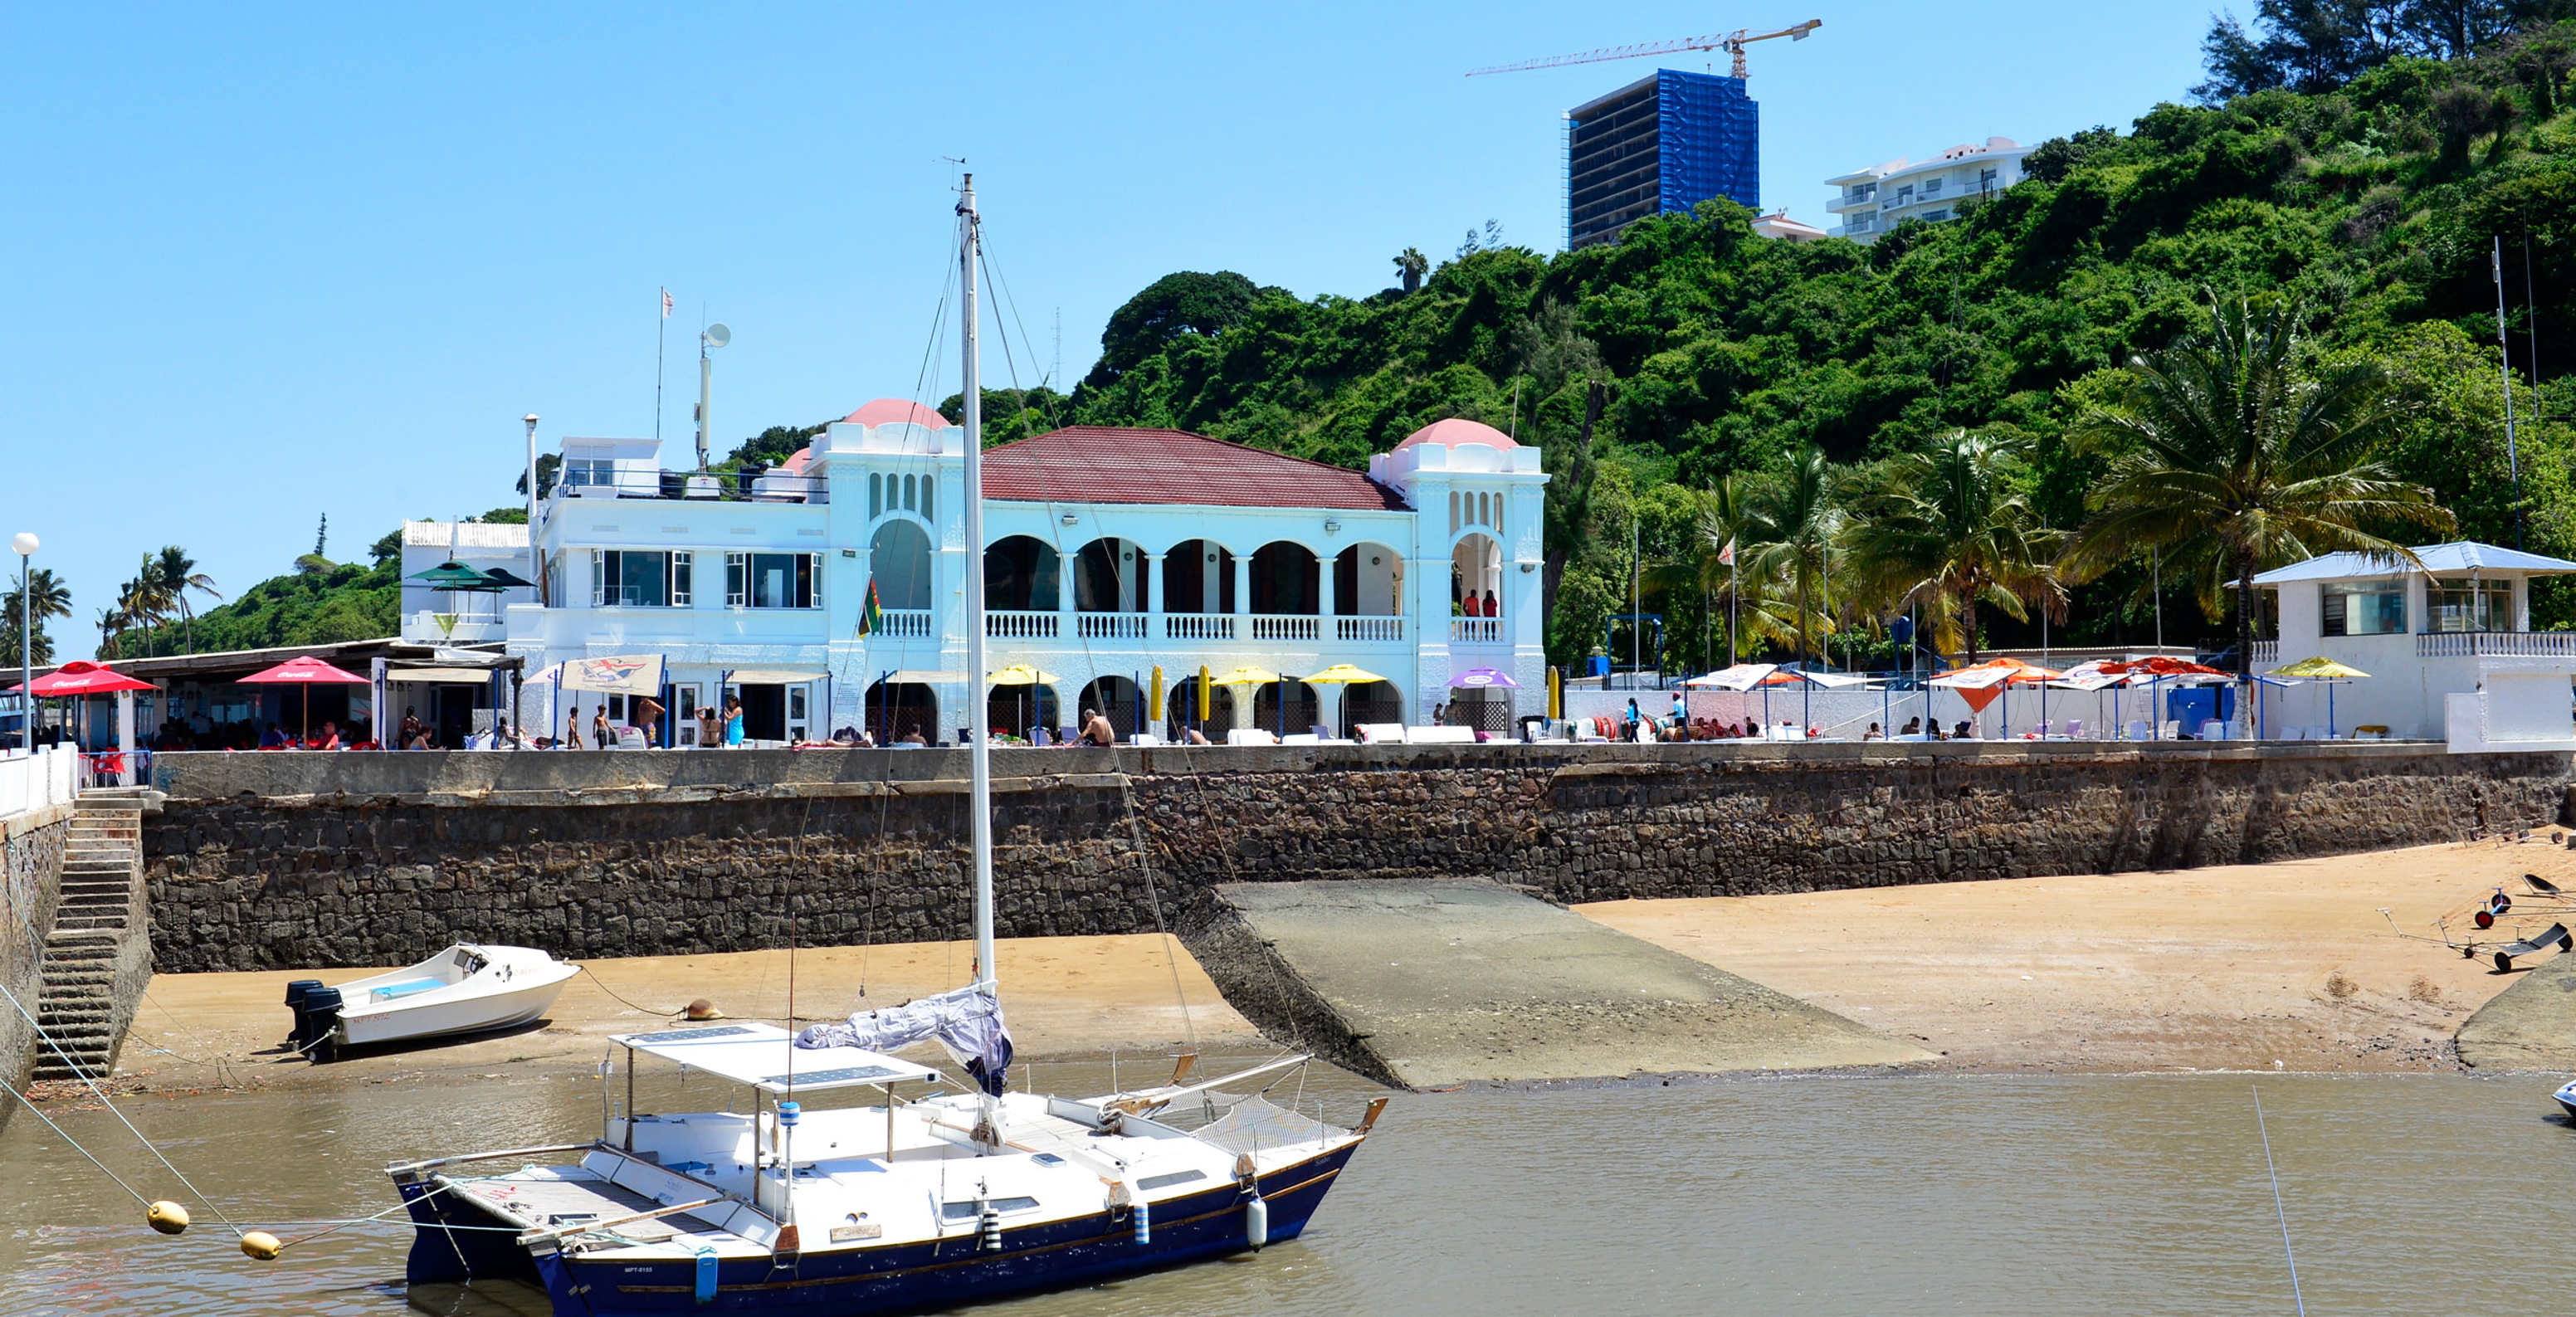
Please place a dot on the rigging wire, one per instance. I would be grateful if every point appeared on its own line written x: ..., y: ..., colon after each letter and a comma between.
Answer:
x: 2277, y: 1208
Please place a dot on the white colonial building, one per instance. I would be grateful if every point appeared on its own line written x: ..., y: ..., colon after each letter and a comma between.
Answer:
x: 1113, y: 557
x: 431, y: 616
x: 2458, y: 627
x: 1871, y: 201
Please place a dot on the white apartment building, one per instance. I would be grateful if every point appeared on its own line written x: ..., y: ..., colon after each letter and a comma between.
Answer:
x: 1871, y: 201
x: 1117, y: 560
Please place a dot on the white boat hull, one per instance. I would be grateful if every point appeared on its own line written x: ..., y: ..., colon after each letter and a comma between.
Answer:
x: 506, y: 987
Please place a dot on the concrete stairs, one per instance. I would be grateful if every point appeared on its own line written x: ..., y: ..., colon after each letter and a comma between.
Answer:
x: 76, y: 1009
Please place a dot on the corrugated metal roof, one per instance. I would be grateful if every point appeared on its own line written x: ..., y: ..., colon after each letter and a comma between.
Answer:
x: 1114, y: 464
x: 2456, y: 558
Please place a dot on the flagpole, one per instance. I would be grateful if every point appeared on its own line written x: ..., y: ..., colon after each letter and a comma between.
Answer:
x: 661, y: 331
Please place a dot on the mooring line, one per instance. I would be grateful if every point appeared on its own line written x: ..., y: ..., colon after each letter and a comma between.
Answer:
x: 2277, y: 1209
x: 76, y: 1146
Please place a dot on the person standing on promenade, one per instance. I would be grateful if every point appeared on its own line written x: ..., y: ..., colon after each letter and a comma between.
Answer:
x: 708, y: 732
x: 733, y: 722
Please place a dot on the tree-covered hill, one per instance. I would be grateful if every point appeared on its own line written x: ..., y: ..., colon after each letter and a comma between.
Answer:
x: 2378, y: 201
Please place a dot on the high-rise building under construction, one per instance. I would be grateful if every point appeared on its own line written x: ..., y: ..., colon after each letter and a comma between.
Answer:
x: 1663, y: 143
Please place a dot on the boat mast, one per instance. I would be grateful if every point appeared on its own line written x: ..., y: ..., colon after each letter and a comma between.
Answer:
x: 979, y: 754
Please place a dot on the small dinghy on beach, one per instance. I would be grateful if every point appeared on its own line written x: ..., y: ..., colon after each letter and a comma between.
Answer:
x: 468, y: 988
x: 2567, y: 1100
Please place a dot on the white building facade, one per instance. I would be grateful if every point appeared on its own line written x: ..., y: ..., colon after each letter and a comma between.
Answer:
x: 2460, y: 626
x: 1871, y: 201
x: 431, y: 616
x: 1110, y: 554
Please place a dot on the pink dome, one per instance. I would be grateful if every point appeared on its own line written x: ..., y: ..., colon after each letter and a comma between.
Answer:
x: 1457, y: 431
x: 892, y: 411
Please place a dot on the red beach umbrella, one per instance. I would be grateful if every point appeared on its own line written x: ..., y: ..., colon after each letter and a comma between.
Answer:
x: 82, y: 677
x: 308, y: 672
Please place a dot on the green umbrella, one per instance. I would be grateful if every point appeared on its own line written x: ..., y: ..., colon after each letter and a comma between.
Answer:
x: 454, y: 575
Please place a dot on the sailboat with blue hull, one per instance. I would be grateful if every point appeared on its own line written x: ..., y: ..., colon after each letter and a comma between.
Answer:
x: 932, y: 1193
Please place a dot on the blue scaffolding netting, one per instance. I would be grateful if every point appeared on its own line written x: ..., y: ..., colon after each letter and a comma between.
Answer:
x: 1711, y: 140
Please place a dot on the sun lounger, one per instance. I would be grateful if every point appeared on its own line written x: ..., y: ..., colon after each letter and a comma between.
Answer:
x: 1440, y: 735
x: 1250, y: 736
x: 2556, y: 936
x: 1380, y: 733
x: 1301, y: 738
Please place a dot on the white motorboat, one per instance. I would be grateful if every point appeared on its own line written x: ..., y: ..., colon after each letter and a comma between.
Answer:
x: 468, y: 988
x: 2567, y: 1100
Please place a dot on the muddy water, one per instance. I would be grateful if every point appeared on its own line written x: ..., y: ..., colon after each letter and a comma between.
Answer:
x: 1940, y: 1193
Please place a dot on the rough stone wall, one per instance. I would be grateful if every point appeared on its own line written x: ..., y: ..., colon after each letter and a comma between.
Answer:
x: 870, y: 846
x: 31, y: 867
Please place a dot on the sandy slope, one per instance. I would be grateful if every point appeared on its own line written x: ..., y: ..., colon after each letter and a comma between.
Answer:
x: 2210, y: 968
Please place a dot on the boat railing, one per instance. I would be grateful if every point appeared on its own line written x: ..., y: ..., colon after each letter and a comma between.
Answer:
x: 413, y: 1168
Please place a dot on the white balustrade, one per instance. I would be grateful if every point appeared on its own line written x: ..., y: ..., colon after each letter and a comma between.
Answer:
x: 1110, y: 626
x: 1475, y: 630
x: 1198, y: 626
x: 904, y: 623
x: 1015, y: 624
x: 1286, y: 626
x: 2503, y: 644
x: 1368, y: 628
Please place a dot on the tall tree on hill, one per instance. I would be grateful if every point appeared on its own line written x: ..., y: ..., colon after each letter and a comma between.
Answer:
x: 1946, y: 530
x: 51, y: 598
x: 2226, y: 458
x: 176, y: 575
x: 1410, y: 267
x: 1748, y: 602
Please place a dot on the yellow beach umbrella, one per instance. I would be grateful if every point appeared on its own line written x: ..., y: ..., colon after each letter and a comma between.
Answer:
x: 1205, y: 683
x: 1342, y: 674
x: 1021, y: 674
x: 1247, y: 675
x: 2319, y: 668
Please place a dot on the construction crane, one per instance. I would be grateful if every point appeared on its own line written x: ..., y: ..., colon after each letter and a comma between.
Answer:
x: 1733, y: 43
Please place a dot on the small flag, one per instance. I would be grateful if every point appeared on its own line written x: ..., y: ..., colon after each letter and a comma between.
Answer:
x: 666, y: 304
x: 1726, y: 556
x: 869, y: 618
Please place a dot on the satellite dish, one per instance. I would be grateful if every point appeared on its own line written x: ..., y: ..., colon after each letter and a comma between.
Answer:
x: 717, y: 335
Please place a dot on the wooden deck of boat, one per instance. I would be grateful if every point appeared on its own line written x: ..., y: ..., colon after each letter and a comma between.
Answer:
x: 548, y: 1202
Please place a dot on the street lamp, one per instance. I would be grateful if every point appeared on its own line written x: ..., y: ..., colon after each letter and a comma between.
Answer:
x: 25, y: 543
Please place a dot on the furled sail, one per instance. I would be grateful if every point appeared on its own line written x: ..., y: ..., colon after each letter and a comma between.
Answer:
x: 968, y: 1022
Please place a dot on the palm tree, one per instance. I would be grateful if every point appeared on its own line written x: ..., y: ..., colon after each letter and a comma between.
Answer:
x: 1788, y: 537
x: 1751, y: 605
x: 2227, y: 458
x: 1945, y: 529
x: 51, y: 598
x: 145, y: 601
x: 111, y: 633
x: 179, y: 575
x: 1410, y: 267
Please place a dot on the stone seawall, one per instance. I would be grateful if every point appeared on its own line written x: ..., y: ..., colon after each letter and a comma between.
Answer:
x: 311, y: 860
x: 31, y: 867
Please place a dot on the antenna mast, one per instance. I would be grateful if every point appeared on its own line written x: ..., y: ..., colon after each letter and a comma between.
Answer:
x: 979, y: 752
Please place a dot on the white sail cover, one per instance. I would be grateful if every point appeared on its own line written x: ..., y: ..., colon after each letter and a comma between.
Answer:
x: 967, y: 1022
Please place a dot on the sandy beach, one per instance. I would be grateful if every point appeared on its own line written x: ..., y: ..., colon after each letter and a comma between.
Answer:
x: 1071, y: 997
x: 2233, y: 967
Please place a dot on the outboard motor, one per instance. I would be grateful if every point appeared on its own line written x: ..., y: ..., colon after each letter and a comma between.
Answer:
x: 295, y: 993
x: 315, y: 1022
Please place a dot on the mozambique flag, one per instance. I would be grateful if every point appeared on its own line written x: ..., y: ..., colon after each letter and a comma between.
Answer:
x: 869, y: 618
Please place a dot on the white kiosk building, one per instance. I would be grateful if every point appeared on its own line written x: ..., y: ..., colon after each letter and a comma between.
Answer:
x: 2458, y: 629
x: 1118, y: 561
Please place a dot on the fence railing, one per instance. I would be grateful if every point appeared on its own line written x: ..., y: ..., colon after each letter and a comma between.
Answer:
x: 1110, y: 626
x: 2266, y: 653
x: 2503, y: 644
x: 1198, y: 626
x: 904, y: 623
x: 1286, y: 626
x: 1368, y: 628
x: 1017, y: 625
x: 1475, y: 630
x: 46, y: 778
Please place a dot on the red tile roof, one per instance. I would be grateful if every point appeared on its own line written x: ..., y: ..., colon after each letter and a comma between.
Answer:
x: 1114, y: 464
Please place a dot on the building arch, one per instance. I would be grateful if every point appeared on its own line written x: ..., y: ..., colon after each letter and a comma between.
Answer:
x: 1023, y: 573
x: 899, y: 561
x: 1119, y: 700
x: 1370, y: 702
x: 894, y: 709
x: 1476, y: 569
x: 1182, y: 710
x: 1368, y: 581
x: 1198, y: 577
x: 1110, y: 575
x: 1283, y: 580
x: 1020, y: 710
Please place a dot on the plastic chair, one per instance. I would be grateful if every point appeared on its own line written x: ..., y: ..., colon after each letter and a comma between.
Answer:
x: 2075, y: 729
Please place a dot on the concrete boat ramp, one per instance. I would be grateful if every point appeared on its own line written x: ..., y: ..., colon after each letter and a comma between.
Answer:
x: 1434, y: 983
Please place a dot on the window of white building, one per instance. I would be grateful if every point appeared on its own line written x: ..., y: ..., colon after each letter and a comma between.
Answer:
x: 773, y: 580
x: 639, y: 578
x: 2365, y: 608
x: 2471, y: 604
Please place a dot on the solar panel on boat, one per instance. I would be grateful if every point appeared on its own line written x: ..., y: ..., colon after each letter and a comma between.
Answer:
x: 842, y: 1076
x: 688, y: 1035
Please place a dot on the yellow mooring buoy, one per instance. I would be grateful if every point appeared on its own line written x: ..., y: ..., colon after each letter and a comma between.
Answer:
x: 167, y: 1217
x: 261, y: 1245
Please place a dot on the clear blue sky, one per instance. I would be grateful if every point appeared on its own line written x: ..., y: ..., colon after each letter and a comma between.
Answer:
x: 263, y: 263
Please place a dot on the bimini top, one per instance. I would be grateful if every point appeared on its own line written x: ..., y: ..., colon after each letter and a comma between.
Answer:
x: 767, y: 1058
x: 2457, y: 558
x: 894, y: 411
